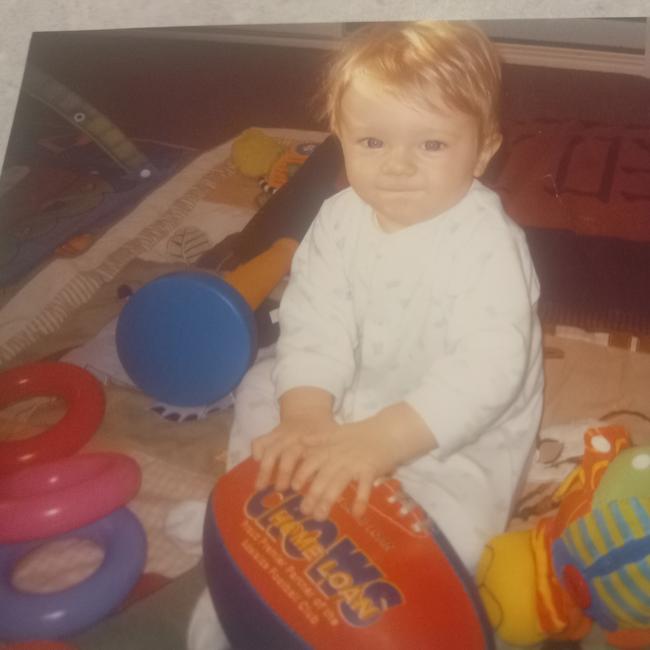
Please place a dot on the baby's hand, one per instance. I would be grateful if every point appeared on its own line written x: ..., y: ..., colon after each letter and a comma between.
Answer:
x: 329, y: 456
x: 359, y: 452
x: 283, y: 448
x: 352, y: 453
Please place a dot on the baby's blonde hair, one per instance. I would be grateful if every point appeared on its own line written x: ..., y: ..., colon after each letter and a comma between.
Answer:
x: 418, y: 62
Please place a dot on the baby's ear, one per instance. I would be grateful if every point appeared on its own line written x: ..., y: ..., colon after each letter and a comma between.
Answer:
x: 489, y: 148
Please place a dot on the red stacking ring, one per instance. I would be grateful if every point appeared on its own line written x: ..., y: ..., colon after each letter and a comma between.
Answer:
x: 85, y: 402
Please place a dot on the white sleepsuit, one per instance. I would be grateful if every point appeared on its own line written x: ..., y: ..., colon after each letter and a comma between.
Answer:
x: 441, y: 315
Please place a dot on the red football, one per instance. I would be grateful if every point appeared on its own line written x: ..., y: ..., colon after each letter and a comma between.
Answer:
x: 387, y: 580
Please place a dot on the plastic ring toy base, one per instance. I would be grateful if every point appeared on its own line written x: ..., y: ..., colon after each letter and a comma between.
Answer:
x: 55, y: 497
x: 84, y: 398
x: 186, y: 338
x: 25, y: 616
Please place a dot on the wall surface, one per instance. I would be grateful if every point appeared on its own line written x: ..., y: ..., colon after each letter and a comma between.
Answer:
x: 200, y: 92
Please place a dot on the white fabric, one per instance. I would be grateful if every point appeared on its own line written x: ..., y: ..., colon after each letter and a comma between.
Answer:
x: 204, y: 631
x: 441, y: 315
x: 184, y: 524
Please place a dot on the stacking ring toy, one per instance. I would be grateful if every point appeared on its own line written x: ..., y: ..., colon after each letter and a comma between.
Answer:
x: 186, y: 338
x: 54, y: 615
x: 55, y: 497
x: 84, y: 398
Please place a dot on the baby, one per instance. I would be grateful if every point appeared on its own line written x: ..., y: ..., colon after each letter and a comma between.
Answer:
x: 409, y: 342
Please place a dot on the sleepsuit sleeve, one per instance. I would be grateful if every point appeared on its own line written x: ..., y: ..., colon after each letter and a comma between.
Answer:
x: 317, y: 328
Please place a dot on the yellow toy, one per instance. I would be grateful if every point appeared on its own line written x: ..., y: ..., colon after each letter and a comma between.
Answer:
x: 588, y: 562
x: 254, y: 152
x: 260, y: 156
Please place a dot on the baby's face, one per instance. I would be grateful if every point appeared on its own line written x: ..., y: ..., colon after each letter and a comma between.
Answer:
x: 409, y: 163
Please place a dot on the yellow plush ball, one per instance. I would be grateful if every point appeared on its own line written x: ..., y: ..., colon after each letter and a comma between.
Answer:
x: 254, y: 152
x: 506, y: 582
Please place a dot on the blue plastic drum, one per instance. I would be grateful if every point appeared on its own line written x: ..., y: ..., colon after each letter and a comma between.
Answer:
x: 186, y: 338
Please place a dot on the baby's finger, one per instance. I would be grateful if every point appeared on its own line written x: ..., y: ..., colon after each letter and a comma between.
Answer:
x: 268, y: 457
x: 264, y: 473
x: 325, y: 490
x: 312, y: 461
x: 313, y: 494
x: 362, y: 495
x: 286, y: 465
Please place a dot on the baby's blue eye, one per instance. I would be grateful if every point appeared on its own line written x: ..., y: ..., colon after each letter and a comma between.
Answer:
x: 433, y: 145
x: 373, y: 143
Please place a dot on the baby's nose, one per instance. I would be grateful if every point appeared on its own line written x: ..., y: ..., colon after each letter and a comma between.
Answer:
x: 399, y: 162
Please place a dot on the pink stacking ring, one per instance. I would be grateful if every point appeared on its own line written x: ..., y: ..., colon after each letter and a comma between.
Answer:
x: 55, y: 497
x: 84, y: 399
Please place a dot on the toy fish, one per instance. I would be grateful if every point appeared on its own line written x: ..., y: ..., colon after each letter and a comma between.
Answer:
x: 588, y: 562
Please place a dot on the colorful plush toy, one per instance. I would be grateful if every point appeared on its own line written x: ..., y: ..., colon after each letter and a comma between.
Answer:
x: 590, y: 562
x: 286, y: 166
x: 262, y: 157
